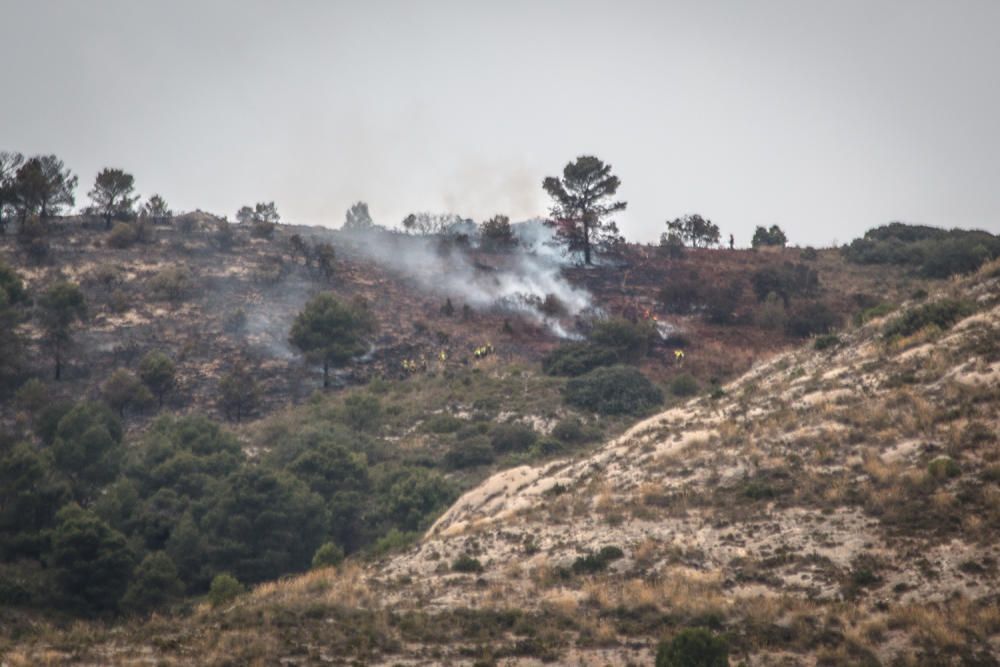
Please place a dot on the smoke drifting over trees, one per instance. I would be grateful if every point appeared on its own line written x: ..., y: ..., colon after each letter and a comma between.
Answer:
x: 520, y: 281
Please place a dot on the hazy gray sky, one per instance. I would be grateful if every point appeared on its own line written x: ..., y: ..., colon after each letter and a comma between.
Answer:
x: 825, y: 117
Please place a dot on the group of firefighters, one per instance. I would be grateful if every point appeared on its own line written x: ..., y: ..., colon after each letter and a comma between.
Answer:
x: 420, y: 363
x: 481, y: 352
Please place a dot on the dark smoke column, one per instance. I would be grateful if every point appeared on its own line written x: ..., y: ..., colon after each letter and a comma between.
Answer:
x: 582, y: 201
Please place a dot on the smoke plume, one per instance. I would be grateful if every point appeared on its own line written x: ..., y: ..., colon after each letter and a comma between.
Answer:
x: 527, y: 280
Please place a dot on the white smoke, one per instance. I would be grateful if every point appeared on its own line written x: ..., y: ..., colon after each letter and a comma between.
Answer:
x: 527, y: 280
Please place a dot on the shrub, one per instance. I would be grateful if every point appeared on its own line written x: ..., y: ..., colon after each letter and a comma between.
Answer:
x: 671, y: 245
x: 123, y: 390
x: 173, y: 283
x: 262, y: 229
x: 612, y: 391
x: 270, y: 270
x: 223, y: 235
x: 186, y: 223
x: 771, y: 314
x: 721, y: 302
x: 811, y: 318
x: 239, y: 393
x: 154, y: 584
x: 157, y: 370
x: 592, y: 563
x: 548, y: 446
x: 683, y: 385
x: 572, y: 359
x: 572, y: 431
x: 693, y: 647
x: 943, y: 467
x: 961, y: 255
x: 469, y: 453
x: 630, y: 341
x: 32, y: 396
x: 122, y: 235
x: 92, y: 561
x: 224, y: 589
x: 362, y: 412
x: 512, y: 437
x: 682, y: 294
x: 936, y: 253
x: 786, y: 281
x: 826, y: 341
x: 769, y: 237
x: 394, y: 540
x: 328, y: 555
x: 873, y: 313
x: 941, y: 314
x: 467, y: 564
x: 442, y: 423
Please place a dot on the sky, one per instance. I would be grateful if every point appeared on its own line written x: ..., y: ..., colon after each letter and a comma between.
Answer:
x: 824, y: 117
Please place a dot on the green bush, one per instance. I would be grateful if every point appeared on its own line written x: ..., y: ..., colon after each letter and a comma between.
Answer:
x: 362, y: 412
x: 826, y: 341
x: 951, y: 256
x: 224, y: 589
x: 810, y: 319
x: 328, y: 555
x: 154, y: 584
x: 943, y: 467
x: 873, y: 313
x: 92, y: 561
x: 158, y: 372
x: 547, y: 446
x: 573, y: 432
x: 612, y: 391
x: 683, y: 385
x: 442, y: 423
x: 630, y: 341
x: 934, y: 252
x: 592, y: 563
x: 573, y: 359
x: 941, y: 314
x: 173, y: 283
x: 469, y: 453
x: 769, y: 237
x: 693, y: 647
x: 721, y: 302
x: 467, y: 564
x: 394, y: 540
x: 512, y: 437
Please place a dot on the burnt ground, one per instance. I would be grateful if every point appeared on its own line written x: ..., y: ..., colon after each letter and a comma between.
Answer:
x: 238, y: 304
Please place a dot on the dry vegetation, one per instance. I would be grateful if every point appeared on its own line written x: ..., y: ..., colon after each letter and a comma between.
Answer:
x: 830, y: 507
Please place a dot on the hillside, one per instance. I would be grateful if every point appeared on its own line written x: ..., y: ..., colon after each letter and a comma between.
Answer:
x: 212, y: 297
x: 833, y: 506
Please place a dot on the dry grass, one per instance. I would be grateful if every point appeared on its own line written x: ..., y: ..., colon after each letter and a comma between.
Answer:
x: 345, y: 586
